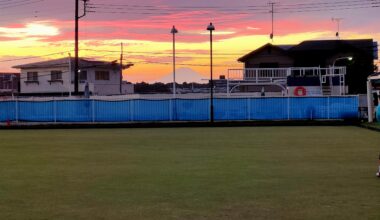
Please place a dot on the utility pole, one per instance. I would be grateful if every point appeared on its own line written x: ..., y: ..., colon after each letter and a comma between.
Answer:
x: 76, y: 60
x: 121, y: 67
x: 272, y: 12
x: 337, y: 20
x: 70, y: 71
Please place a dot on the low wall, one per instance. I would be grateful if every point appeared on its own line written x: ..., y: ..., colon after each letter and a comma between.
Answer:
x: 225, y: 109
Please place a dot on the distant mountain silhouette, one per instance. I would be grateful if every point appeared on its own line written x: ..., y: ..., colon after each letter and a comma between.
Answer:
x: 184, y: 75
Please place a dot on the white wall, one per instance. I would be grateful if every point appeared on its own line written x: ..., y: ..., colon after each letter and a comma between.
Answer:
x: 43, y: 85
x: 97, y: 87
x: 105, y: 87
x: 128, y: 89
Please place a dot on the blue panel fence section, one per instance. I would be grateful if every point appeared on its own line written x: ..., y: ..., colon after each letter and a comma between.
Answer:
x: 225, y: 109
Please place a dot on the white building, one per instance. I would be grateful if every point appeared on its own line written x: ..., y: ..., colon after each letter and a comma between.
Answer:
x: 56, y: 77
x: 127, y: 88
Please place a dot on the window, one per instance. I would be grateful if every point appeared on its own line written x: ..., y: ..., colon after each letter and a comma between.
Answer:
x: 102, y: 75
x: 32, y: 76
x: 56, y: 75
x: 83, y: 75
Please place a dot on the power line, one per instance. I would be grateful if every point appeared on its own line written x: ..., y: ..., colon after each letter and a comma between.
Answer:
x: 158, y: 53
x: 14, y: 2
x: 33, y: 57
x: 181, y: 64
x: 261, y: 7
x: 22, y: 4
x: 144, y: 9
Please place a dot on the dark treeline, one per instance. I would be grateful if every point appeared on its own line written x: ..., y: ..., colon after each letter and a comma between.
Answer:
x: 146, y: 88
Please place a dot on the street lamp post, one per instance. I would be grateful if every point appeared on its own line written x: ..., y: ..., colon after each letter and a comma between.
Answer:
x: 174, y: 31
x: 211, y: 28
x: 333, y: 73
x: 342, y: 58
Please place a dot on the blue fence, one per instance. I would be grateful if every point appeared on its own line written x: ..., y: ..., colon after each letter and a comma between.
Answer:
x: 225, y: 109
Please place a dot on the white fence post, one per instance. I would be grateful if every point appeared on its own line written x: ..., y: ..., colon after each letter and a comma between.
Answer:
x: 171, y: 109
x: 55, y: 110
x: 93, y: 110
x: 228, y: 83
x: 209, y: 110
x: 131, y: 106
x: 359, y: 110
x: 249, y: 108
x: 370, y: 102
x: 17, y: 110
x: 328, y: 107
x: 288, y: 108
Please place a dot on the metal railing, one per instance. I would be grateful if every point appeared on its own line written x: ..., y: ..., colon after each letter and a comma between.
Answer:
x: 259, y: 74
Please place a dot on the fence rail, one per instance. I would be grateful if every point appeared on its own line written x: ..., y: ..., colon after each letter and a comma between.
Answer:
x: 257, y: 74
x: 226, y: 109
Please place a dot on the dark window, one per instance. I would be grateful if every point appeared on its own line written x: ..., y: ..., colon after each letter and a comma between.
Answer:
x: 102, y: 75
x: 56, y: 75
x: 32, y: 76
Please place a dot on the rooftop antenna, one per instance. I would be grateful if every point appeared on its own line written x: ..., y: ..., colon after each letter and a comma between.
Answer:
x: 337, y: 20
x: 271, y: 4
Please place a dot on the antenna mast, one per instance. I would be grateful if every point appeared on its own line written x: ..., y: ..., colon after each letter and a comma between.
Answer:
x: 272, y: 12
x: 337, y: 20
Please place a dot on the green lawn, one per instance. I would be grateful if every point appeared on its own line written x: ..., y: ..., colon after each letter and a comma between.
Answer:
x: 190, y: 173
x: 375, y: 125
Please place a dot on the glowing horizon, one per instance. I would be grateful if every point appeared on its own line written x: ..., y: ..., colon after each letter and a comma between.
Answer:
x: 148, y: 42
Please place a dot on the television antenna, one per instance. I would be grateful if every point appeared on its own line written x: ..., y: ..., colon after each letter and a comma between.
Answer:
x: 337, y: 21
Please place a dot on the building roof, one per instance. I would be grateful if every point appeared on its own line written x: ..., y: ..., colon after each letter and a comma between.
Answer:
x: 286, y: 46
x: 64, y: 62
x: 366, y: 45
x: 283, y: 48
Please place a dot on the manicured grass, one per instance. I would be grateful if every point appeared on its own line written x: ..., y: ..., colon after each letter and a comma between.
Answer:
x: 190, y: 173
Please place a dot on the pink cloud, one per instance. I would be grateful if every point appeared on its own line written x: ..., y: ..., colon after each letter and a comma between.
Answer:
x: 191, y: 30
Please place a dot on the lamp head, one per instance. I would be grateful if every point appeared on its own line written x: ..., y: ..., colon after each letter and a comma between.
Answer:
x: 174, y: 30
x: 350, y: 58
x: 211, y: 27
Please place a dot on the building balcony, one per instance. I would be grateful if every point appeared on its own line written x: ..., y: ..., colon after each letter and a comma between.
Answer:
x: 274, y: 74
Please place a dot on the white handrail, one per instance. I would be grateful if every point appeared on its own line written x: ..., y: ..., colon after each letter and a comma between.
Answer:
x: 280, y: 73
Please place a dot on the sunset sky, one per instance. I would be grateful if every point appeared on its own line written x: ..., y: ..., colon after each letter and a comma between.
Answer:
x: 32, y: 29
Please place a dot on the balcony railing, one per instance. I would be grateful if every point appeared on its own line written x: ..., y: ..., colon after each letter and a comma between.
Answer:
x: 264, y: 74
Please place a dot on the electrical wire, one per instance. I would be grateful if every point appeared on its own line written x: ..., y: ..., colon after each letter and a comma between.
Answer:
x: 33, y: 57
x: 22, y: 4
x: 150, y: 10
